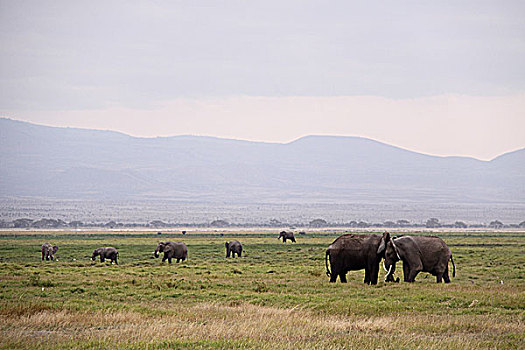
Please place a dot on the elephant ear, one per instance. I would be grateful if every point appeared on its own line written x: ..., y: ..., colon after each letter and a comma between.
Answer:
x: 55, y: 249
x: 383, y: 242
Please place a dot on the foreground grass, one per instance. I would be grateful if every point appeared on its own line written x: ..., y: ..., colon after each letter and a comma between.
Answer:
x: 276, y: 297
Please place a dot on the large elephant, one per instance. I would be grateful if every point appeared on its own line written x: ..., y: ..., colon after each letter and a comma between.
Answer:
x: 233, y: 247
x: 287, y: 235
x: 105, y: 253
x: 354, y: 252
x: 172, y: 250
x: 419, y: 254
x: 48, y: 251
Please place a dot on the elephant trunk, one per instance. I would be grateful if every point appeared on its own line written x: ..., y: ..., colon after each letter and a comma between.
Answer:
x: 228, y: 250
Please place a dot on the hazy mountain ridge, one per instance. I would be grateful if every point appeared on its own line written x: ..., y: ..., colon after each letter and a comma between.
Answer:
x: 77, y: 163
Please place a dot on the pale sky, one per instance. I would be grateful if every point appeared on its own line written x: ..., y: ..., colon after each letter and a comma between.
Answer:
x: 444, y: 78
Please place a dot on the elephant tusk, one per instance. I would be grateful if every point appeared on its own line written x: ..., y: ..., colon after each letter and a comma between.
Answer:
x: 384, y: 266
x: 389, y: 270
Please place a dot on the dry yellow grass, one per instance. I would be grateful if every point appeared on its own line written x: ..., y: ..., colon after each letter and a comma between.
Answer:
x: 260, y: 327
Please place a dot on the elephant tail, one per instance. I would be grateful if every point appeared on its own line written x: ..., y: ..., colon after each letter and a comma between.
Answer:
x: 454, y: 267
x: 326, y: 258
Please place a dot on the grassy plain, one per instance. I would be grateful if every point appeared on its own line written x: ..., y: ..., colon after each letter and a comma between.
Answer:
x: 277, y: 296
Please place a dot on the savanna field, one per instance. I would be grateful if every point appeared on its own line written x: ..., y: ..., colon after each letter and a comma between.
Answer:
x: 277, y: 296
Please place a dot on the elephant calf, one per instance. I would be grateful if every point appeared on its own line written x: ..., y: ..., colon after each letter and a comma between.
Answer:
x: 48, y: 251
x: 419, y: 254
x: 106, y: 253
x: 233, y: 247
x: 172, y: 250
x: 287, y: 235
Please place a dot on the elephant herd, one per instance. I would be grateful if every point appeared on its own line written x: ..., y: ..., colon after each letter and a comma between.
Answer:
x: 418, y: 254
x: 171, y: 250
x: 348, y: 252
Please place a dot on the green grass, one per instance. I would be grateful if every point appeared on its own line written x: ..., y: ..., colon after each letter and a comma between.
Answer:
x: 276, y: 296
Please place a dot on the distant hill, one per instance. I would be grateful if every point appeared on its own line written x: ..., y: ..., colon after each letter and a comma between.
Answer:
x: 69, y: 163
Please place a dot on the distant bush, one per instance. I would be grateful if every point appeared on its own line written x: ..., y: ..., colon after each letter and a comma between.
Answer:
x: 318, y: 223
x: 219, y: 223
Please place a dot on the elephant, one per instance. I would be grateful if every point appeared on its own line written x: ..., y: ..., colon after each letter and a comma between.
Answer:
x: 106, y: 253
x: 354, y: 252
x: 419, y: 254
x: 233, y: 247
x: 287, y: 235
x: 171, y: 250
x: 48, y: 251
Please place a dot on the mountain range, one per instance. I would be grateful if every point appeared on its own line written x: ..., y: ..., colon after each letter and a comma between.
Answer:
x: 68, y: 163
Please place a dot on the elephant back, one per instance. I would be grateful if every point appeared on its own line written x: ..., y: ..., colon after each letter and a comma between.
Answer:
x: 108, y: 251
x: 235, y: 245
x: 180, y: 250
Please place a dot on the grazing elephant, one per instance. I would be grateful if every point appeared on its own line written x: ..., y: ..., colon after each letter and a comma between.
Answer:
x: 287, y: 235
x: 172, y: 250
x: 418, y: 253
x: 106, y: 253
x: 354, y: 252
x: 233, y: 247
x: 48, y: 251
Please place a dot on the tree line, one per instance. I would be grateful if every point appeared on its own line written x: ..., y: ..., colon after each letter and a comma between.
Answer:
x: 315, y: 223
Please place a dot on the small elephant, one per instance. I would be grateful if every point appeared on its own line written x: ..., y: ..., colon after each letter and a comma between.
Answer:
x: 48, y: 251
x: 287, y: 235
x: 233, y: 247
x: 419, y: 254
x: 106, y: 253
x: 172, y: 250
x: 351, y: 252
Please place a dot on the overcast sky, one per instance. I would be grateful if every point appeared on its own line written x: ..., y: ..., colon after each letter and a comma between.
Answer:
x: 439, y: 77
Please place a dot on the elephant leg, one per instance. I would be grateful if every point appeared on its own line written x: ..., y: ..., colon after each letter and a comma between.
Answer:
x: 240, y: 254
x: 439, y: 277
x: 178, y: 261
x: 367, y: 276
x: 169, y: 260
x: 446, y: 278
x: 374, y: 274
x: 412, y: 275
x: 342, y: 277
x: 102, y: 259
x: 52, y: 257
x: 43, y: 256
x: 406, y: 272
